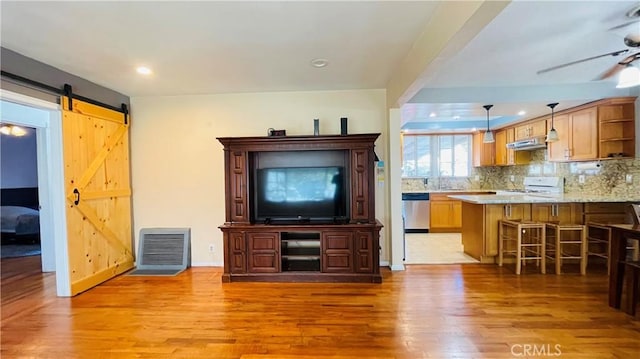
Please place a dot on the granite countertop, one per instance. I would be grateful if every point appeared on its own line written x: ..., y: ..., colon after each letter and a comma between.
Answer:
x: 528, y: 198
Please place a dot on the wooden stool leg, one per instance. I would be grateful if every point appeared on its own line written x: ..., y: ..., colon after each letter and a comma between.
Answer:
x: 543, y: 248
x: 500, y: 243
x: 558, y: 252
x: 519, y: 251
x: 583, y: 251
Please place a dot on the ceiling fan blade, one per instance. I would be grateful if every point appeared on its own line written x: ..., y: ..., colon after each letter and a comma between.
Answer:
x: 621, y: 26
x: 614, y: 53
x: 613, y: 70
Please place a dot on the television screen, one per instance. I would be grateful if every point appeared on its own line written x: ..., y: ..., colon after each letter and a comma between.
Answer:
x: 300, y: 194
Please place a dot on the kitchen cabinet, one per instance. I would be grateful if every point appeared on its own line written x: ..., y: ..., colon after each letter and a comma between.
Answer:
x: 505, y: 156
x: 577, y: 136
x: 445, y: 214
x: 616, y: 126
x: 483, y: 153
x: 531, y: 129
x: 563, y: 213
x: 607, y: 212
x: 480, y: 227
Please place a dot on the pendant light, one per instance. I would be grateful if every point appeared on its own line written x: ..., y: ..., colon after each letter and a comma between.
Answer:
x: 488, y: 135
x: 552, y: 136
x: 629, y: 77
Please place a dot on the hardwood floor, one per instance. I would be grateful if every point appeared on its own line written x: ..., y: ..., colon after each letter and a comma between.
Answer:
x: 435, y: 311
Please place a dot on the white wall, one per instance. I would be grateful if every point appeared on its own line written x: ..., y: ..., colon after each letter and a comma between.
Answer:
x: 177, y: 163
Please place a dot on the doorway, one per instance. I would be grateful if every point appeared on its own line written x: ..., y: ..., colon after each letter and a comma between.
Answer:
x: 45, y: 117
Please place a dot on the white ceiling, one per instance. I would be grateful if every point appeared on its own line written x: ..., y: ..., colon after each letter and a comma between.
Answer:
x: 225, y: 47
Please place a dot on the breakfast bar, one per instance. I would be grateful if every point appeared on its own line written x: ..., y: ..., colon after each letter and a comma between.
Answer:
x: 482, y: 213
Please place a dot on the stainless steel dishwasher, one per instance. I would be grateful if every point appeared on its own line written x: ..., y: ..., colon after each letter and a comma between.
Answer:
x: 415, y: 211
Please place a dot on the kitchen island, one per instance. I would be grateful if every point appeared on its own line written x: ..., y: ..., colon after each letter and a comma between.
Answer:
x: 481, y: 214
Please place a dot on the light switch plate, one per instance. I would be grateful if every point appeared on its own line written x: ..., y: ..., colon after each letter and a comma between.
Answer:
x: 628, y: 178
x: 581, y: 179
x: 512, y: 178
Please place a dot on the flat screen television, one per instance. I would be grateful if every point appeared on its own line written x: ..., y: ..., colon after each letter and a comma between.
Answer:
x: 314, y: 195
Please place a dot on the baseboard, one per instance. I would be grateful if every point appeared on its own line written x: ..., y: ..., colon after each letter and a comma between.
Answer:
x: 384, y: 263
x: 397, y: 267
x: 207, y: 264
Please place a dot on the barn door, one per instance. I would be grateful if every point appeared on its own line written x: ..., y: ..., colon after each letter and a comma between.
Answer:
x: 98, y: 193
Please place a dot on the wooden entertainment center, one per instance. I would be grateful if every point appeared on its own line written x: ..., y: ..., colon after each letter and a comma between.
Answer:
x: 344, y: 251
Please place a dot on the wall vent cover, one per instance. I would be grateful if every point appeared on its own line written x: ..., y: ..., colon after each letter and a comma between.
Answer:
x: 163, y: 251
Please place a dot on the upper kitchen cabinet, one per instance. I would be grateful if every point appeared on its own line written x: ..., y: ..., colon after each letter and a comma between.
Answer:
x: 577, y: 136
x: 506, y: 156
x: 599, y: 130
x: 531, y: 129
x: 483, y: 153
x: 616, y: 123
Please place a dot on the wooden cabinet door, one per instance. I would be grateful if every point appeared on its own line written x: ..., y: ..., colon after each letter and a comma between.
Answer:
x: 559, y: 150
x: 360, y: 168
x: 237, y: 252
x: 563, y: 213
x: 445, y: 215
x: 456, y: 214
x: 483, y: 153
x: 501, y: 148
x: 238, y: 210
x: 264, y: 252
x: 584, y: 134
x: 363, y: 252
x: 538, y: 128
x: 440, y: 214
x: 517, y: 211
x: 337, y: 252
x: 522, y: 132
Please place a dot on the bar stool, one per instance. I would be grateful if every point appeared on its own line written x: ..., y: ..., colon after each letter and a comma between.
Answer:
x: 523, y: 240
x: 599, y: 243
x: 560, y: 236
x: 632, y: 282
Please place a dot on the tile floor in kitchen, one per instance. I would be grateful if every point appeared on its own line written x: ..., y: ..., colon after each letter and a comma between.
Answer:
x: 435, y: 248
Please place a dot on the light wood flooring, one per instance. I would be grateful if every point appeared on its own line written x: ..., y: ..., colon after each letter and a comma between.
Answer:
x: 431, y: 311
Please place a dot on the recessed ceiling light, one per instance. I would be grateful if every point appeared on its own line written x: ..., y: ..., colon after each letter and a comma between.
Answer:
x: 522, y: 113
x: 143, y: 70
x: 319, y: 63
x: 456, y: 117
x: 432, y: 114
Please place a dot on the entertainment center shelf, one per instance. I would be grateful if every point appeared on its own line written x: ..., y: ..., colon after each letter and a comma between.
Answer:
x: 300, y: 209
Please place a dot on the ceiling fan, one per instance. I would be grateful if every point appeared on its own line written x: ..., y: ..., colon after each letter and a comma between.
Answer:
x: 630, y: 40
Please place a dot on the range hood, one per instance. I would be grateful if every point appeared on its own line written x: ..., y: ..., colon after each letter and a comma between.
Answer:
x: 528, y: 144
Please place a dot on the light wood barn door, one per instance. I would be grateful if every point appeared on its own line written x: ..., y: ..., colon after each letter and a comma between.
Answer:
x: 98, y: 194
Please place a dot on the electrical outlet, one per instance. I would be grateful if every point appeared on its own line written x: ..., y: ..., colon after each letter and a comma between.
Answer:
x: 512, y: 178
x: 476, y: 178
x: 211, y: 248
x: 628, y: 178
x: 581, y: 179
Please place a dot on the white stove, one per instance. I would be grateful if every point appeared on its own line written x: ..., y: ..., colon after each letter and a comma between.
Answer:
x: 540, y: 186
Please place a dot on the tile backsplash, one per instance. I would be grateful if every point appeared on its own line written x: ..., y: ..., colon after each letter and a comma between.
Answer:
x: 600, y: 177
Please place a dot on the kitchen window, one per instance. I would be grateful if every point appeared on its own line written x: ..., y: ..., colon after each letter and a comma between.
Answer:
x: 436, y: 155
